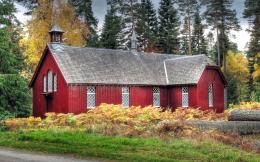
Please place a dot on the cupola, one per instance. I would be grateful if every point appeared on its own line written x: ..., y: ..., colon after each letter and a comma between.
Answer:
x: 56, y: 34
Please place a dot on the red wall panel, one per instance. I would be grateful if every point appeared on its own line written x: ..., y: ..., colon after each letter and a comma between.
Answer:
x: 58, y: 102
x: 164, y: 97
x: 108, y: 94
x: 77, y: 99
x: 141, y: 96
x: 211, y: 76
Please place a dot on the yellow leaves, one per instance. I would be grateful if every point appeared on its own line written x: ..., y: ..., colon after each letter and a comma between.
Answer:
x: 256, y: 73
x: 247, y: 105
x: 237, y: 65
x: 34, y: 42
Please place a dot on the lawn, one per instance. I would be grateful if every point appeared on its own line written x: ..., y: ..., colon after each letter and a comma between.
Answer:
x: 119, y: 148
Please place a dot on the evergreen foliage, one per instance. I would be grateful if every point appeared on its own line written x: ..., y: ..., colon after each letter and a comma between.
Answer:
x: 199, y: 45
x: 111, y: 29
x: 184, y: 42
x: 220, y: 16
x: 252, y: 13
x: 168, y: 34
x: 147, y: 26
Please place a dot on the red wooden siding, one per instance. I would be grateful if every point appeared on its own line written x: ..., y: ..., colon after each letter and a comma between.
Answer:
x: 141, y: 96
x: 211, y: 76
x: 175, y: 96
x: 108, y: 94
x: 164, y: 97
x: 58, y: 102
x: 77, y: 102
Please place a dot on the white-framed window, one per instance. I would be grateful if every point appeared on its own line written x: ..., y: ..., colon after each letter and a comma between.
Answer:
x: 44, y: 84
x: 185, y: 96
x: 156, y: 97
x: 55, y: 83
x: 125, y: 96
x: 91, y: 97
x: 50, y: 81
x: 210, y: 94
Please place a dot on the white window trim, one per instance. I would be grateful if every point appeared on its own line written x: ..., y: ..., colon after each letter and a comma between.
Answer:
x: 127, y: 94
x: 157, y: 95
x: 44, y: 84
x: 88, y: 97
x: 50, y: 81
x: 55, y: 83
x: 210, y: 96
x: 183, y: 94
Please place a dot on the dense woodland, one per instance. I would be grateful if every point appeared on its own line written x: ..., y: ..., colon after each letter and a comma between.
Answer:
x: 176, y: 27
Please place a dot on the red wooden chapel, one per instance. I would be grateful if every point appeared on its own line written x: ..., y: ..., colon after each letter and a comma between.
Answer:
x: 72, y: 79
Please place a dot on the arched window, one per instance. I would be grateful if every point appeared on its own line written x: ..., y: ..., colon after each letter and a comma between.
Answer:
x: 44, y: 84
x: 50, y: 81
x: 91, y: 97
x: 55, y: 84
x: 210, y: 94
x: 156, y: 97
x: 125, y: 97
x: 185, y: 96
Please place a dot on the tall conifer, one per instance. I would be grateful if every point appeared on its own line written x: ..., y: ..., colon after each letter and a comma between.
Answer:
x: 168, y: 34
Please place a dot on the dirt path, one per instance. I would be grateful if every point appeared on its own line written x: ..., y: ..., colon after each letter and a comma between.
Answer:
x: 10, y: 155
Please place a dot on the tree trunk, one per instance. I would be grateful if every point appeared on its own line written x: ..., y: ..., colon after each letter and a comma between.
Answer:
x: 241, y: 127
x: 244, y: 115
x: 189, y: 24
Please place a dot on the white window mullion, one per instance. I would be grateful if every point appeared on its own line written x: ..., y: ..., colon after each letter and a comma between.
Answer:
x: 156, y: 97
x: 125, y: 97
x: 91, y: 97
x: 185, y: 97
x: 55, y: 84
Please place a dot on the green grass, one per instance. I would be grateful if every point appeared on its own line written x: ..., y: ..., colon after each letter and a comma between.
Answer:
x: 123, y: 148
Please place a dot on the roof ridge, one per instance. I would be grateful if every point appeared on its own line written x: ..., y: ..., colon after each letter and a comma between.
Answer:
x: 184, y: 57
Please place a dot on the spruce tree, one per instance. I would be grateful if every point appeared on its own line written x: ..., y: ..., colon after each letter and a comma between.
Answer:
x: 184, y: 41
x: 168, y: 24
x: 220, y: 16
x: 199, y: 45
x: 111, y: 29
x: 188, y: 9
x: 146, y: 26
x: 252, y: 13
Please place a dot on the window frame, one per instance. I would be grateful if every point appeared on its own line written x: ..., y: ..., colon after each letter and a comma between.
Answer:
x: 125, y: 95
x: 184, y: 93
x: 55, y: 83
x: 89, y: 94
x: 210, y: 96
x: 156, y: 94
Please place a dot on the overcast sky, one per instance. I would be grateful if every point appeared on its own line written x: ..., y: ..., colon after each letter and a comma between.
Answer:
x: 99, y: 9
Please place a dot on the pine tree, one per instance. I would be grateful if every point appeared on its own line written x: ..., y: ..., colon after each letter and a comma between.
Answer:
x: 111, y: 29
x: 251, y: 12
x: 147, y: 26
x: 199, y: 45
x: 188, y: 9
x: 220, y: 16
x: 184, y: 44
x: 84, y: 11
x: 168, y: 24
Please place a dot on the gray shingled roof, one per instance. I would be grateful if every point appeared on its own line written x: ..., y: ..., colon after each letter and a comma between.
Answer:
x: 106, y: 66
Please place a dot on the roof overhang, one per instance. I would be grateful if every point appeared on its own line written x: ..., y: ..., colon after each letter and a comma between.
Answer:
x: 45, y: 52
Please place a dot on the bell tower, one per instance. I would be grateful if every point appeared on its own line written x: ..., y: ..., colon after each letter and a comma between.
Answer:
x: 56, y: 34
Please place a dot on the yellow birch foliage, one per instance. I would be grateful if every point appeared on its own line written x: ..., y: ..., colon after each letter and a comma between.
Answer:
x: 256, y: 73
x: 237, y: 65
x: 39, y: 26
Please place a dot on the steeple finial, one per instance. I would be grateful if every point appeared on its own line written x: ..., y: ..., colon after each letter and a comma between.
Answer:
x: 133, y: 41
